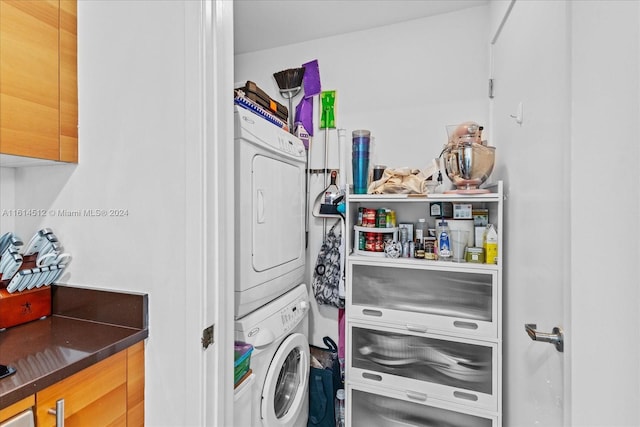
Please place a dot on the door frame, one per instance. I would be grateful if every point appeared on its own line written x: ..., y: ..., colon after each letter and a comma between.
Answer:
x: 215, y: 124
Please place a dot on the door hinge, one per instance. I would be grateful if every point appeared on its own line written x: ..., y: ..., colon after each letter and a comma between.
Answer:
x: 491, y: 88
x: 207, y: 337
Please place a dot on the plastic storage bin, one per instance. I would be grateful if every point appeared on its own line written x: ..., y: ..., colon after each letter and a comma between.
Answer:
x: 242, y: 357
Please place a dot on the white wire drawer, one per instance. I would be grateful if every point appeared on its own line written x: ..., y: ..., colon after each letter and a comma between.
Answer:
x: 425, y: 298
x: 370, y: 406
x: 456, y: 370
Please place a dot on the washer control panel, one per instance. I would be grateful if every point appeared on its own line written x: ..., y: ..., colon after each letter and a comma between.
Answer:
x: 293, y: 313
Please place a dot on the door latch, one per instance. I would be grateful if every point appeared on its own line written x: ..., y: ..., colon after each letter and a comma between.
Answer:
x: 207, y: 337
x: 556, y: 337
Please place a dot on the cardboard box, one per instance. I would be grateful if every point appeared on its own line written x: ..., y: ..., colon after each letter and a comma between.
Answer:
x: 462, y: 210
x: 441, y: 209
x: 479, y: 237
x: 480, y: 217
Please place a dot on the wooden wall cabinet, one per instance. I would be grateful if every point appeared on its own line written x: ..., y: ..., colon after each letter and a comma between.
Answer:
x: 111, y: 392
x: 38, y: 79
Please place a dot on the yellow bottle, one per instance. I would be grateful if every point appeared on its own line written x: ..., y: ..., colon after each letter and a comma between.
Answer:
x: 491, y: 245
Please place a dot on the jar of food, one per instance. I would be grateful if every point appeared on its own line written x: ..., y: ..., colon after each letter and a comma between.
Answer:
x: 430, y: 248
x: 475, y: 255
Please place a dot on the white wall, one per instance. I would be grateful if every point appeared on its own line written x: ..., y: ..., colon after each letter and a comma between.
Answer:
x: 605, y: 296
x: 7, y: 199
x: 132, y: 77
x: 403, y: 82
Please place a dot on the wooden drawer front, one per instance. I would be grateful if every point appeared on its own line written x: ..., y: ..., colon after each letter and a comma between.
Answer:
x: 14, y: 409
x: 456, y: 370
x: 373, y: 407
x: 94, y: 396
x: 461, y: 303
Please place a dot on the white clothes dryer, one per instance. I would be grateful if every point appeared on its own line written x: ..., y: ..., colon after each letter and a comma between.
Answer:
x: 280, y: 360
x: 270, y: 197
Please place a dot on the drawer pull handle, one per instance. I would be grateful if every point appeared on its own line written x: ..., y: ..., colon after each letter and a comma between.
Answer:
x: 465, y: 325
x: 369, y: 312
x: 416, y: 396
x: 466, y: 396
x: 374, y: 377
x: 416, y: 328
x: 58, y: 412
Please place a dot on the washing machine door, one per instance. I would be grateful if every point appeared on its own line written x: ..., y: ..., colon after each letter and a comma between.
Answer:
x: 285, y: 399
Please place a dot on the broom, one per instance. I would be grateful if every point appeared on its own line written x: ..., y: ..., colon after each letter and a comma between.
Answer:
x: 290, y: 82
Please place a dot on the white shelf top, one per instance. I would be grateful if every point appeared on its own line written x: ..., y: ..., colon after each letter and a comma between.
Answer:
x: 495, y: 195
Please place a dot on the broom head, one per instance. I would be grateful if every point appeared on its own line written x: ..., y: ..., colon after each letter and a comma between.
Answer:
x: 289, y: 79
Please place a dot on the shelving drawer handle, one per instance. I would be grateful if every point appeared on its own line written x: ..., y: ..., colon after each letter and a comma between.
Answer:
x: 466, y: 396
x: 369, y: 376
x: 58, y: 412
x: 369, y: 312
x: 416, y: 396
x: 465, y: 325
x: 416, y: 328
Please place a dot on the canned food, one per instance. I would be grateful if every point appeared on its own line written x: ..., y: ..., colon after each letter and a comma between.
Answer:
x: 381, y: 218
x: 379, y: 245
x: 369, y: 218
x: 370, y: 242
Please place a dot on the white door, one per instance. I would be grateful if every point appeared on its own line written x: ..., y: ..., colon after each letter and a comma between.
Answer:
x: 530, y: 67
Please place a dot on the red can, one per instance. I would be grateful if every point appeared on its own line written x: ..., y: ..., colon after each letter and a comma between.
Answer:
x: 370, y: 242
x: 369, y: 218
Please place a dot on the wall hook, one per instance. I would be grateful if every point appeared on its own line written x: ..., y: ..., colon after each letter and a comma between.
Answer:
x: 519, y: 115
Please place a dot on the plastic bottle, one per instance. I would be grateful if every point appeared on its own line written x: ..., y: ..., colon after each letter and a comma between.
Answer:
x: 491, y: 245
x: 444, y: 243
x: 421, y: 230
x: 340, y: 422
x: 404, y: 234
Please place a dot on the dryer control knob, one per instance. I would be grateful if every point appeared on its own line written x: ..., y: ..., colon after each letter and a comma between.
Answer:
x: 304, y: 305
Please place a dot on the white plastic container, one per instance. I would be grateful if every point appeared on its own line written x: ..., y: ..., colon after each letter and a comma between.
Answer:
x: 491, y: 245
x: 421, y: 230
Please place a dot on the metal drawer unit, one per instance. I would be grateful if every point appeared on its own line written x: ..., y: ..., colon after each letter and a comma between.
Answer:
x: 455, y: 370
x: 423, y: 338
x: 383, y: 407
x: 425, y: 297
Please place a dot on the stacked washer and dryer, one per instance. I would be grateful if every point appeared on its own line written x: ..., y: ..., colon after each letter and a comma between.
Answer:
x: 271, y: 300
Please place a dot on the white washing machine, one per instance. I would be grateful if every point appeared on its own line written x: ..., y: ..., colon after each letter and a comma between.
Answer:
x: 279, y: 361
x: 270, y: 196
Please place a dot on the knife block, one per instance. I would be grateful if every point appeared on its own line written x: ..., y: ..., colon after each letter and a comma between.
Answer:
x: 22, y: 307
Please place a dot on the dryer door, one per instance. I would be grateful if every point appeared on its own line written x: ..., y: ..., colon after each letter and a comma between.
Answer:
x: 278, y: 215
x: 285, y: 399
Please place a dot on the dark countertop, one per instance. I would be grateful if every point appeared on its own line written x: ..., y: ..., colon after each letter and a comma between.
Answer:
x: 86, y: 326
